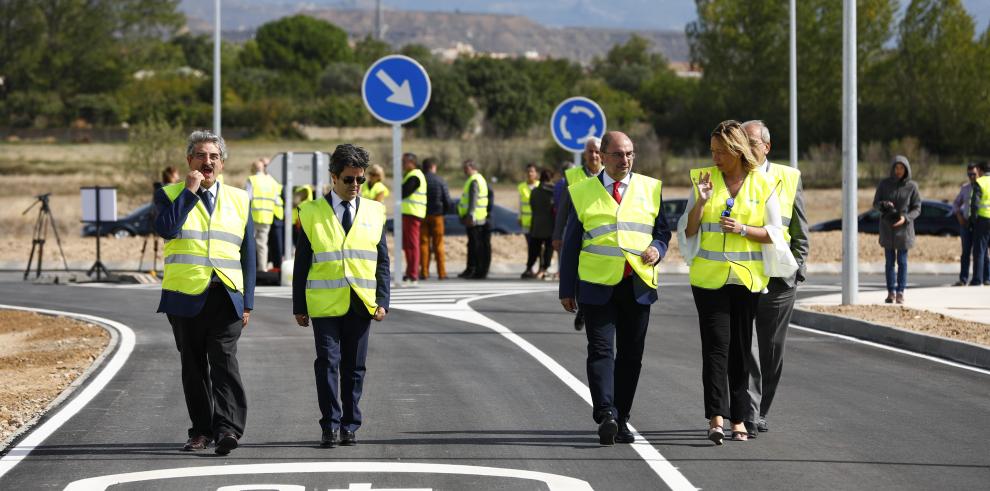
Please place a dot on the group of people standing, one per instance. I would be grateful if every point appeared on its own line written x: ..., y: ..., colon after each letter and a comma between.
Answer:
x: 972, y: 209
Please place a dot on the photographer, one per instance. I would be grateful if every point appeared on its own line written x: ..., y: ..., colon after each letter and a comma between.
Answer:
x: 899, y: 203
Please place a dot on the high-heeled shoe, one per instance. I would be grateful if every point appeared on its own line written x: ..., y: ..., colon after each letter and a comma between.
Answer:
x: 716, y: 435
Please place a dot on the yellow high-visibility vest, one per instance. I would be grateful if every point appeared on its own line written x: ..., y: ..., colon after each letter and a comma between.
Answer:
x: 788, y: 178
x: 415, y: 203
x: 720, y: 252
x: 525, y: 211
x: 341, y: 262
x: 309, y: 197
x: 984, y: 205
x: 372, y: 192
x: 264, y: 198
x: 576, y: 174
x: 481, y: 208
x: 207, y: 244
x: 614, y: 233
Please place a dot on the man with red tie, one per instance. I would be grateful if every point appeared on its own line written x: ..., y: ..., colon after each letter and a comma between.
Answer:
x: 615, y: 238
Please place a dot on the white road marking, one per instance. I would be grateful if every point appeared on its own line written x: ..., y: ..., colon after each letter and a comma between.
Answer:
x: 125, y: 345
x: 462, y: 311
x: 891, y: 348
x: 553, y: 482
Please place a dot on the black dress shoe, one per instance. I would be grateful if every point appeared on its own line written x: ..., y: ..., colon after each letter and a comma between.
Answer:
x: 196, y: 443
x: 579, y: 321
x: 750, y: 428
x: 762, y: 426
x: 607, y: 430
x: 347, y: 438
x: 226, y: 443
x: 329, y: 439
x: 466, y: 274
x: 624, y: 435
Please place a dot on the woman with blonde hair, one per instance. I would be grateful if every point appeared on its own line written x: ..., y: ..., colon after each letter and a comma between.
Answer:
x: 374, y: 188
x: 732, y: 239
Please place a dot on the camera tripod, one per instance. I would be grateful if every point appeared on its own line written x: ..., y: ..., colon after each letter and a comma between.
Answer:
x: 45, y: 218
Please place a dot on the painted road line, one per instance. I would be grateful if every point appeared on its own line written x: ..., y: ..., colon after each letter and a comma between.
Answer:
x: 553, y: 482
x: 125, y: 345
x: 463, y: 312
x: 891, y: 348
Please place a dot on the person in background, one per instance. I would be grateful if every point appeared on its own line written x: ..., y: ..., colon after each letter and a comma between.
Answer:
x: 526, y: 218
x: 473, y: 211
x: 979, y: 216
x: 413, y: 213
x: 541, y: 227
x: 432, y: 231
x: 208, y: 290
x: 961, y: 210
x: 300, y: 195
x: 264, y: 192
x: 899, y: 203
x: 374, y: 188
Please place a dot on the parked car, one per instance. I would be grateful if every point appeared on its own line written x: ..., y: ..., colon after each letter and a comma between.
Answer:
x: 673, y: 209
x: 505, y: 221
x: 138, y: 222
x: 936, y: 219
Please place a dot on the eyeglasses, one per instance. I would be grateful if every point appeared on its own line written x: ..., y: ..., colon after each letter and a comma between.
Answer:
x: 351, y: 179
x: 728, y: 207
x: 619, y: 155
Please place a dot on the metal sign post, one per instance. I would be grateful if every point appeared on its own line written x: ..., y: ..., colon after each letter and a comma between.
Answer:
x: 396, y: 89
x: 574, y: 121
x: 850, y: 226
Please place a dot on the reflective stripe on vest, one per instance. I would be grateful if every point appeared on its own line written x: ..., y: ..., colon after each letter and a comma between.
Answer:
x: 983, y: 209
x: 481, y: 207
x: 722, y: 253
x: 264, y: 198
x: 207, y: 244
x: 525, y: 211
x: 415, y: 203
x: 341, y: 263
x: 615, y: 234
x: 788, y: 178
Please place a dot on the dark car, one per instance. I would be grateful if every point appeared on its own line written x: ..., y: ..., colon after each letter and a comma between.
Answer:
x: 139, y: 222
x: 505, y: 221
x: 673, y: 209
x: 936, y: 219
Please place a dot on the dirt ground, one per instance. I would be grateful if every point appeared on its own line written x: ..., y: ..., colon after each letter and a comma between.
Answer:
x: 912, y: 319
x: 40, y: 356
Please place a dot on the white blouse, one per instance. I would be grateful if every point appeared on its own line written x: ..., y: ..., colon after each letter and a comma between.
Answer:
x: 778, y: 261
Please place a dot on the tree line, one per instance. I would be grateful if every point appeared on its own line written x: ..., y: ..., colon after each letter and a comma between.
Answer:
x: 923, y: 75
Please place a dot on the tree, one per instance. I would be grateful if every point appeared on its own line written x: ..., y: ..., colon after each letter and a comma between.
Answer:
x: 369, y: 49
x: 302, y: 45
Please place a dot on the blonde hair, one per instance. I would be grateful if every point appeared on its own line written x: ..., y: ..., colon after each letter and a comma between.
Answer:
x: 736, y: 141
x: 376, y: 170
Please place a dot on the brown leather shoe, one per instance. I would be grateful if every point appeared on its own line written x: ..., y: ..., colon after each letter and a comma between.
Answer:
x: 226, y: 443
x: 196, y: 443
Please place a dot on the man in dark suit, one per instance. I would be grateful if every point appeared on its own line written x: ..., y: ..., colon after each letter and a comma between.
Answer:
x: 616, y: 235
x: 208, y: 289
x: 341, y: 281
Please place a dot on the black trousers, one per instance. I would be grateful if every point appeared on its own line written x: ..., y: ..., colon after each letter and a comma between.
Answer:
x: 485, y: 249
x: 541, y: 249
x: 211, y: 379
x: 341, y: 352
x: 616, y: 335
x: 726, y: 318
x: 479, y: 250
x: 532, y: 251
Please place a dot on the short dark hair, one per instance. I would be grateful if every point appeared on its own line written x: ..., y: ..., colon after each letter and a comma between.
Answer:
x: 546, y: 175
x: 428, y: 162
x: 532, y: 165
x: 410, y: 156
x: 348, y: 155
x: 975, y: 165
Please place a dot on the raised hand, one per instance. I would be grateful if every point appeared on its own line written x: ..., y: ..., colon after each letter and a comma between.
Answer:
x: 704, y: 187
x: 193, y: 180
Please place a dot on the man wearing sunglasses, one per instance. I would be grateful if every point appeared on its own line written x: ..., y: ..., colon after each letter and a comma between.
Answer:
x: 961, y: 209
x: 341, y: 282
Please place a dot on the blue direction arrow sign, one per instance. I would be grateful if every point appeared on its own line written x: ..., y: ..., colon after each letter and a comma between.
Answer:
x: 574, y: 121
x: 396, y: 89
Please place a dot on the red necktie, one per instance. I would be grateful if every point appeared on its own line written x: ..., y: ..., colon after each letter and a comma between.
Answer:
x: 618, y: 199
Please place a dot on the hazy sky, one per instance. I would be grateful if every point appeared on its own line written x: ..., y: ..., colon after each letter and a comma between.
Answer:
x: 633, y: 14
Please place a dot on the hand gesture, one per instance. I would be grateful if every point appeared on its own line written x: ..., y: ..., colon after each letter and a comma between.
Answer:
x: 705, y: 187
x: 193, y: 180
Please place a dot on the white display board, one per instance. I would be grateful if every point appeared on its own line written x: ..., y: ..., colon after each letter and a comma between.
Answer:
x: 107, y: 204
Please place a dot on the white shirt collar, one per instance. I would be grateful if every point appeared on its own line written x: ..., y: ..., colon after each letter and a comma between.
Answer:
x: 337, y: 200
x: 213, y: 190
x: 766, y: 166
x: 608, y: 179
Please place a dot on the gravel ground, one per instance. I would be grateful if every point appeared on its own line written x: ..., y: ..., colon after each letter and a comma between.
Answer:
x: 912, y: 319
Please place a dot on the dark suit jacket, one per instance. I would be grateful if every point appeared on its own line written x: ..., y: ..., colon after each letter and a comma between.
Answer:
x: 304, y: 259
x: 171, y: 216
x: 592, y: 293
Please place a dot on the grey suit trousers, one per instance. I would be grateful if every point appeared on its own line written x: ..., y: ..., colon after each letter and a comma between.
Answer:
x: 766, y: 358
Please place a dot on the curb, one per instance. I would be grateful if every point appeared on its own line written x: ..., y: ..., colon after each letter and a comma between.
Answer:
x: 958, y: 351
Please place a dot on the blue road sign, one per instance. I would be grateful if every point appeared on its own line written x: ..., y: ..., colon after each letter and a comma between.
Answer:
x: 396, y: 89
x: 574, y: 121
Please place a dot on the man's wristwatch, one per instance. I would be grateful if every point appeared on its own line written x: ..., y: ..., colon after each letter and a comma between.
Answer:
x: 742, y: 232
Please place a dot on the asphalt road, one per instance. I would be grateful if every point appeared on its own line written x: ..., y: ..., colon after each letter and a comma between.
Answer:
x: 454, y: 404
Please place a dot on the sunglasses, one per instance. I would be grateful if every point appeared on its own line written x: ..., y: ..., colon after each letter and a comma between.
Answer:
x: 728, y: 207
x: 352, y: 179
x: 971, y: 174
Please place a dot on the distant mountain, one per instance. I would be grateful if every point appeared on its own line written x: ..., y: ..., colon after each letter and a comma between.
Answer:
x: 489, y: 33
